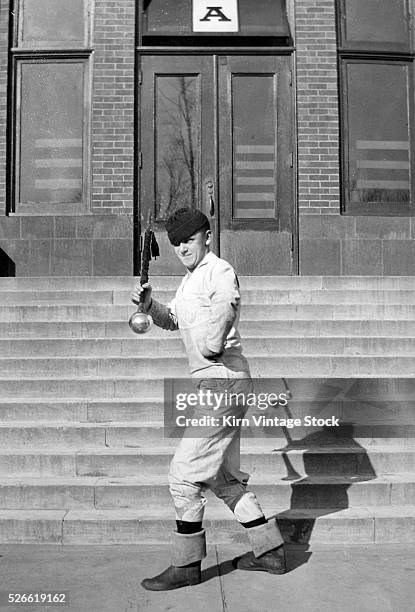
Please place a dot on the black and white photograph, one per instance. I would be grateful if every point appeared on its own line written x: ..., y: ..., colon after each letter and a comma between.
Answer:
x: 207, y: 305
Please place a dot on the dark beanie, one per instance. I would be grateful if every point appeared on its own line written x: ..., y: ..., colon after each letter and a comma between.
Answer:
x: 185, y: 222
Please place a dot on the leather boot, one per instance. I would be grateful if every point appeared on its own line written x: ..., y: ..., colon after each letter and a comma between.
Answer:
x: 174, y: 578
x: 188, y: 552
x: 272, y: 562
x: 267, y: 550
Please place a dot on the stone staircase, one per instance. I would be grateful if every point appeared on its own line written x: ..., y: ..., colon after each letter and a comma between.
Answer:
x: 83, y: 458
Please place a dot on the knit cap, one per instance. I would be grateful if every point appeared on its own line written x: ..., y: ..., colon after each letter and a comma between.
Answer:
x: 185, y: 222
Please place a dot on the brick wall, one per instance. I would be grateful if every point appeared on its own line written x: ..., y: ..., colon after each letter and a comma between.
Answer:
x: 317, y: 99
x: 113, y: 106
x: 101, y: 243
x: 4, y: 42
x: 330, y: 243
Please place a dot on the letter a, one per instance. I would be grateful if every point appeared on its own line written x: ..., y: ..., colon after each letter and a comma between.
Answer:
x: 215, y: 11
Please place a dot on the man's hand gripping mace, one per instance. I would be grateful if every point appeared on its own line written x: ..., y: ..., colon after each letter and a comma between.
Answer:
x: 140, y: 322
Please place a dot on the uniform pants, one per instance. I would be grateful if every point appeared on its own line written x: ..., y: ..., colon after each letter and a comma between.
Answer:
x: 209, y: 458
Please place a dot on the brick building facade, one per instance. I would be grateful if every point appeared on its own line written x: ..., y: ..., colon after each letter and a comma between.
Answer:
x: 95, y: 236
x: 333, y: 243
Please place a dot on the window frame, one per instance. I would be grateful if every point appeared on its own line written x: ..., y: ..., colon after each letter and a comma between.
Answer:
x: 56, y: 52
x: 57, y: 208
x: 183, y: 35
x: 87, y: 31
x: 376, y: 53
x: 372, y: 46
x: 379, y: 208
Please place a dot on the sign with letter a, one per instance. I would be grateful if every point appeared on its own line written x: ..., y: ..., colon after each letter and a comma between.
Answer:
x: 215, y: 16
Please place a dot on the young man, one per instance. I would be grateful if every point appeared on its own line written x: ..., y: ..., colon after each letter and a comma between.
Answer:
x: 206, y: 311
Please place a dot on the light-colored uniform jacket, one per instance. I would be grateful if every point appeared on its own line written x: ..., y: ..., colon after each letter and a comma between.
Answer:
x: 206, y: 311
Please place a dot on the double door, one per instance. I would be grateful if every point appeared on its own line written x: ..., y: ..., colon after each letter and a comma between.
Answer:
x: 216, y: 133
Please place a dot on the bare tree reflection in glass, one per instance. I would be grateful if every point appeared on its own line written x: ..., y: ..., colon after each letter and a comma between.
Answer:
x: 177, y: 143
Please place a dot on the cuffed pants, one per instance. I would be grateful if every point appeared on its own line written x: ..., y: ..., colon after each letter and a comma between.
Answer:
x: 209, y: 458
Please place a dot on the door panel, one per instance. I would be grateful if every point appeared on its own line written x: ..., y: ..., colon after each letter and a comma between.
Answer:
x: 216, y: 133
x: 177, y: 143
x: 256, y: 203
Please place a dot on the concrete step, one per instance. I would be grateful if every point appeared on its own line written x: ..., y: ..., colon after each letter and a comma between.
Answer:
x: 130, y: 388
x: 168, y: 346
x: 391, y: 365
x: 270, y: 457
x: 79, y: 411
x: 141, y: 493
x: 310, y: 492
x: 88, y: 388
x: 80, y: 436
x: 257, y: 296
x: 83, y: 458
x: 294, y: 329
x: 125, y: 283
x: 19, y: 297
x: 355, y: 411
x: 126, y: 526
x: 259, y: 312
x: 278, y: 296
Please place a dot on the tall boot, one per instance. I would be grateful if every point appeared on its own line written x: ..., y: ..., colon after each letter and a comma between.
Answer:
x: 187, y: 554
x: 267, y: 550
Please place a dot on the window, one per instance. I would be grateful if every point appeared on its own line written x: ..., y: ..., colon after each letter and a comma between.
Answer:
x: 254, y: 129
x: 178, y: 142
x: 242, y: 22
x: 52, y: 23
x: 382, y: 25
x: 51, y: 94
x: 377, y: 107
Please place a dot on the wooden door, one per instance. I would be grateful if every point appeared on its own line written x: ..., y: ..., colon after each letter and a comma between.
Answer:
x: 216, y: 134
